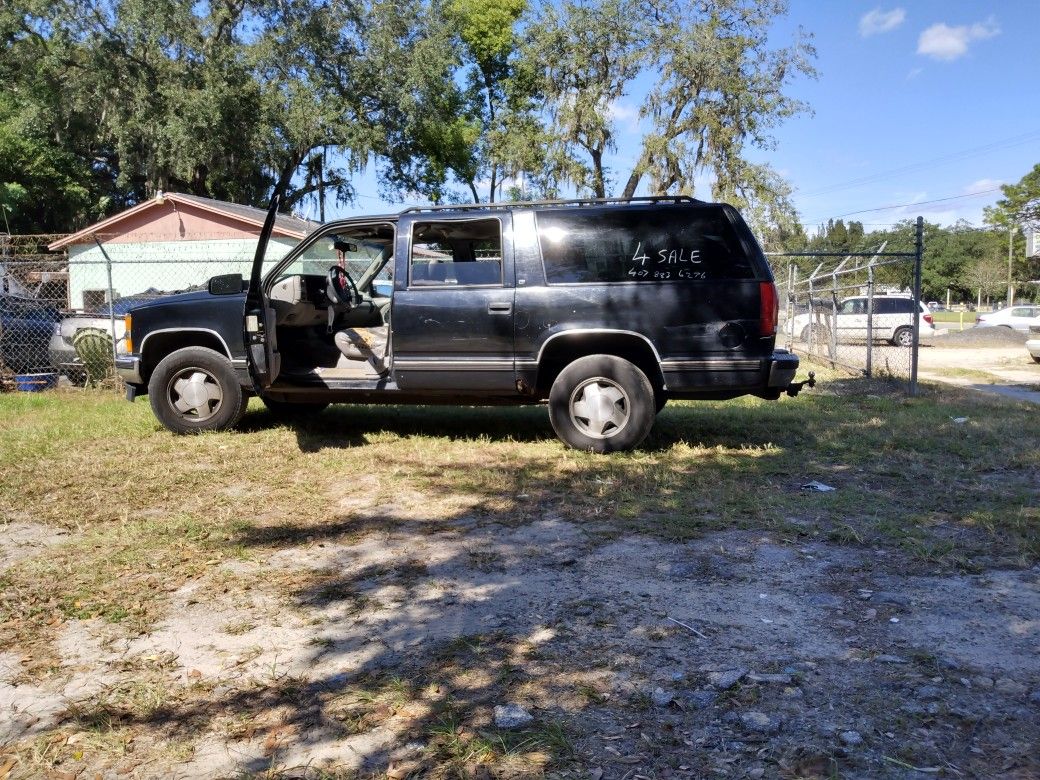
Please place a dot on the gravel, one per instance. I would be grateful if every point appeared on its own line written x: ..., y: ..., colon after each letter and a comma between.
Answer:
x: 994, y: 336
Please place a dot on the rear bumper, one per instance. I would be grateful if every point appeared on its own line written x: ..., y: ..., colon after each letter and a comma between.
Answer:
x: 782, y: 368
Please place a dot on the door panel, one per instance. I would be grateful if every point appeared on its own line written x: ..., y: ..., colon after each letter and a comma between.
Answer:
x: 258, y: 327
x: 452, y: 317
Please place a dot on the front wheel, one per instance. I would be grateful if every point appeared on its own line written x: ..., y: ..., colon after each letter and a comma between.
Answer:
x: 195, y: 389
x: 602, y: 403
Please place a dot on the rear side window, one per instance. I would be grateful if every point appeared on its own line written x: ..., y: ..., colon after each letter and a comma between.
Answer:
x: 893, y: 305
x: 640, y: 245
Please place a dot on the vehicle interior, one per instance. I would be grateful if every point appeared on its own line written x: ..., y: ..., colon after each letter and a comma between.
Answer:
x: 331, y: 305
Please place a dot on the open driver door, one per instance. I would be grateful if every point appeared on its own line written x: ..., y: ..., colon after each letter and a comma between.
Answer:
x: 258, y: 327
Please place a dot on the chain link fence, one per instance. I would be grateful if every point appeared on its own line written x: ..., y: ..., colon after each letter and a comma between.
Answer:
x: 61, y: 313
x: 860, y: 311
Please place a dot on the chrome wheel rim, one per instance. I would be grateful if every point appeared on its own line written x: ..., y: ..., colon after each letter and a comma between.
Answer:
x: 599, y: 408
x: 194, y: 393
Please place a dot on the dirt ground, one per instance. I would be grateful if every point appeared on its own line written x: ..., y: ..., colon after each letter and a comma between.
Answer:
x: 736, y: 655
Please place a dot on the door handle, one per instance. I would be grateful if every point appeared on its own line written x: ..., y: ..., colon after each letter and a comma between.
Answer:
x: 499, y: 308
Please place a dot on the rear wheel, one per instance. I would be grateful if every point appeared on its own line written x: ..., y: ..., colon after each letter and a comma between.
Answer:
x: 903, y: 337
x: 195, y: 389
x: 602, y: 403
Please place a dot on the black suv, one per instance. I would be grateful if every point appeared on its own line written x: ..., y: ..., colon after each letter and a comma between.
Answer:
x: 605, y: 309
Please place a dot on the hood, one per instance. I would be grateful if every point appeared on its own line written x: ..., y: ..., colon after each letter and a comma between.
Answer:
x: 185, y: 297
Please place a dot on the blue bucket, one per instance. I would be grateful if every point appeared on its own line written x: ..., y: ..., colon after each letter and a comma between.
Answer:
x: 36, y: 383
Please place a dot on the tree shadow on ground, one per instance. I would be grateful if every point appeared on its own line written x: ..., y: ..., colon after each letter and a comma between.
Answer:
x: 345, y: 426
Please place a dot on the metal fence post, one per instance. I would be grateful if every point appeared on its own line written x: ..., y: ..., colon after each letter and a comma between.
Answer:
x: 832, y: 325
x: 111, y: 300
x: 791, y: 270
x: 870, y: 318
x: 918, y: 254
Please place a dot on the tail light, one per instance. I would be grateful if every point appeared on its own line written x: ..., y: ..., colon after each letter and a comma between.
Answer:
x: 928, y: 318
x: 769, y: 309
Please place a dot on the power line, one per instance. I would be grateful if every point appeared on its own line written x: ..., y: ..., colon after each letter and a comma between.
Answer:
x: 1018, y: 140
x: 906, y: 205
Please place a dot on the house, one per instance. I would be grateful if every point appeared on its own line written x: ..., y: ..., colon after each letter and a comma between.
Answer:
x: 168, y: 243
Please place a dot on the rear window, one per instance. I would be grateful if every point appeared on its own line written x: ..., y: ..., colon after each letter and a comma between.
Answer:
x: 640, y: 245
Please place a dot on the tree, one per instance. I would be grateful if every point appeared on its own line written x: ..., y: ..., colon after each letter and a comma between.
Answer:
x: 1020, y: 204
x: 718, y: 88
x: 230, y: 98
x: 987, y: 276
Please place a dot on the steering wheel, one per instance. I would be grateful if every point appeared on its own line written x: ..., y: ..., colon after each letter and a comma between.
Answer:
x: 341, y: 288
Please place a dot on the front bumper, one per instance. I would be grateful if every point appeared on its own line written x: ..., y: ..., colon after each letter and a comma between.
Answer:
x: 128, y: 368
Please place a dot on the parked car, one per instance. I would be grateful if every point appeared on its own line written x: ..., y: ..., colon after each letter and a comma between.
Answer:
x: 26, y: 325
x: 605, y: 310
x: 893, y: 321
x: 1015, y: 317
x: 1033, y: 345
x: 61, y: 347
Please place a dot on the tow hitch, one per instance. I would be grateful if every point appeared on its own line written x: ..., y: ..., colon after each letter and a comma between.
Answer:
x: 795, y: 388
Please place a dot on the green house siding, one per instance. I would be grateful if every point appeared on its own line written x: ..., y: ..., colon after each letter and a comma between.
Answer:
x: 167, y: 266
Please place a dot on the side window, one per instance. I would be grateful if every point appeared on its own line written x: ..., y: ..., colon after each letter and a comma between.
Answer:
x: 640, y: 245
x: 893, y: 305
x: 456, y: 253
x: 333, y: 249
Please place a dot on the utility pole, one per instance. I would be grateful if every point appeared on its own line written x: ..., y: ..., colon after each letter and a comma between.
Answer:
x: 1011, y: 289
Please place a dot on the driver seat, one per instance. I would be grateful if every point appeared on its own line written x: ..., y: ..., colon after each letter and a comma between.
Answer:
x: 371, y: 344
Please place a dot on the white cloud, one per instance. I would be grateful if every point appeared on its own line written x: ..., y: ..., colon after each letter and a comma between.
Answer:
x: 942, y: 42
x: 914, y: 73
x: 878, y: 21
x: 982, y: 185
x: 625, y: 115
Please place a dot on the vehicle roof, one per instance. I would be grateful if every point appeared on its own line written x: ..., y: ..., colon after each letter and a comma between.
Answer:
x: 648, y: 200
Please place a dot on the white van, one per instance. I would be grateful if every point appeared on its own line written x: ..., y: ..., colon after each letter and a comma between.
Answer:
x: 893, y: 321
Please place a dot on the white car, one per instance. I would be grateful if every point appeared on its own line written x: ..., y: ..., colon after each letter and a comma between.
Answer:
x: 1014, y: 317
x: 1033, y: 345
x: 893, y: 321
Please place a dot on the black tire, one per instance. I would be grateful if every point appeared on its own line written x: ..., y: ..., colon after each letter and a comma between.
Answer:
x: 625, y: 415
x: 291, y: 410
x: 1036, y: 358
x: 195, y: 389
x: 903, y: 337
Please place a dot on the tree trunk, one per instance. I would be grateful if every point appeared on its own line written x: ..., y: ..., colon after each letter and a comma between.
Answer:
x: 599, y: 186
x: 635, y: 177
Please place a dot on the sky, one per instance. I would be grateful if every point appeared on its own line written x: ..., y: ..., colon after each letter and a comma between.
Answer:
x: 915, y: 102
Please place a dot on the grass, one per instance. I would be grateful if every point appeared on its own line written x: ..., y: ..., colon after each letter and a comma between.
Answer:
x: 144, y: 513
x: 967, y: 317
x: 149, y: 511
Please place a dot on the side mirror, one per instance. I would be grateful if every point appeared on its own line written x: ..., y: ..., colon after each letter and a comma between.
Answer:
x: 226, y: 284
